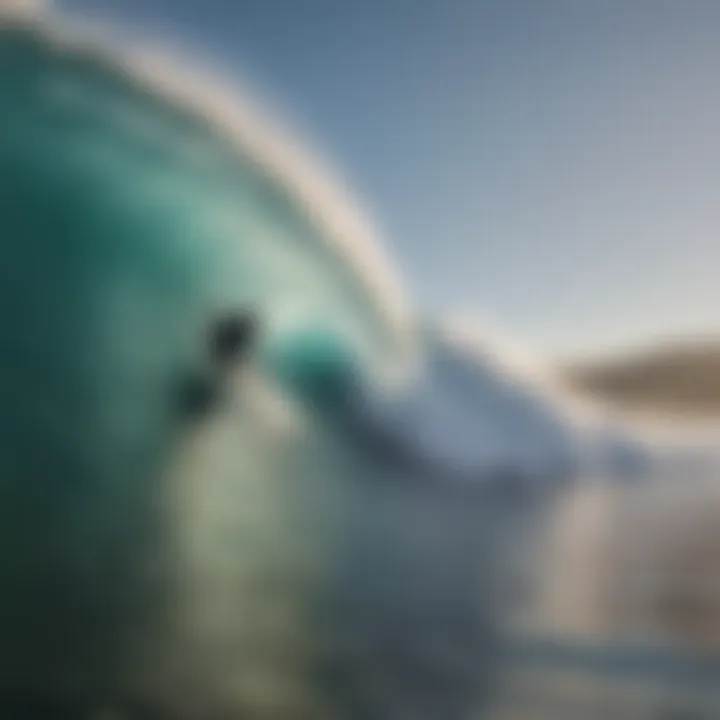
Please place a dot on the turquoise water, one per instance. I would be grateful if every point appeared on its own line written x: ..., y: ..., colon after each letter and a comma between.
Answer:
x: 129, y: 222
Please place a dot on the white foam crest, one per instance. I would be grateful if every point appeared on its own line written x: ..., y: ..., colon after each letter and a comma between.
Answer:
x: 536, y: 393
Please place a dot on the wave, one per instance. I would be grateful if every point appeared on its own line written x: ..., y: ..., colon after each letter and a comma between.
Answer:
x: 141, y: 94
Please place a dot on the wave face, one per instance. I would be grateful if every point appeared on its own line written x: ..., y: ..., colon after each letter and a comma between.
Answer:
x: 134, y: 214
x: 259, y: 560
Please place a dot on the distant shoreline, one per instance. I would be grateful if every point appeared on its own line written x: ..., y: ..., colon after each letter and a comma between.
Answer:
x: 674, y: 383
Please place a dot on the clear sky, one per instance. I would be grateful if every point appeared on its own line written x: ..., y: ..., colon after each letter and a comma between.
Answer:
x: 553, y: 165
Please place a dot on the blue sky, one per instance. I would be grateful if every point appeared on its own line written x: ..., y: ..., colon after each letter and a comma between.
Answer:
x: 553, y: 166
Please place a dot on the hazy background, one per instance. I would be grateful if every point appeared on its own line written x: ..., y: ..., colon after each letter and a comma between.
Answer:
x: 554, y: 166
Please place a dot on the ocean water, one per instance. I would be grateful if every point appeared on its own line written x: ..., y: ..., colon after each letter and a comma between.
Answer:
x: 361, y: 517
x: 246, y: 555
